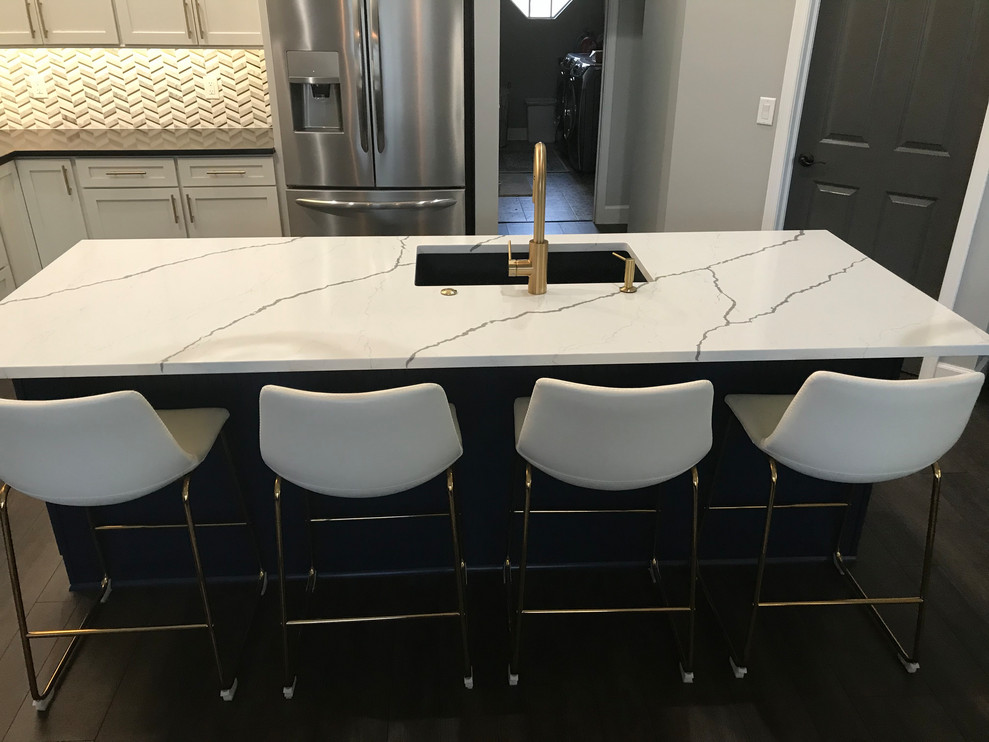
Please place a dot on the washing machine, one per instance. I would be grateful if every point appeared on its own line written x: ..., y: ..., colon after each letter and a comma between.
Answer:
x: 579, y: 107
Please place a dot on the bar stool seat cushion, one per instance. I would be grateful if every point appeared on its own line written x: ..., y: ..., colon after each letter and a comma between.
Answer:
x: 100, y: 450
x: 614, y: 439
x: 849, y: 429
x: 759, y: 414
x: 366, y: 444
x: 195, y: 430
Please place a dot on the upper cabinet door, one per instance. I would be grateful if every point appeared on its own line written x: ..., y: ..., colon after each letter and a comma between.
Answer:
x: 77, y: 22
x: 19, y: 25
x: 228, y: 22
x: 156, y: 22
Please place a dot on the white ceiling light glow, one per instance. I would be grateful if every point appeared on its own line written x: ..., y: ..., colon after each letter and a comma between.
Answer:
x: 541, y: 8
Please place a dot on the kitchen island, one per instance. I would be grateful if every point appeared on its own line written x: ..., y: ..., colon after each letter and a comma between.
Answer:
x: 208, y: 322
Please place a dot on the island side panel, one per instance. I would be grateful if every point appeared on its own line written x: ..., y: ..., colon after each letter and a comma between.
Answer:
x: 483, y: 398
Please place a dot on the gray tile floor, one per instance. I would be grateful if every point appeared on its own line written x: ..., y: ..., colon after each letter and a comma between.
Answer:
x: 569, y: 196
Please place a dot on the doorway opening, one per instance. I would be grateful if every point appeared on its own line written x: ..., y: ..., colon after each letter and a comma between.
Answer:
x: 551, y: 74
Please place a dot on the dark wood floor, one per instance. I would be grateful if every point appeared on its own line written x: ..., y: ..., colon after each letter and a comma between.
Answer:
x: 816, y: 674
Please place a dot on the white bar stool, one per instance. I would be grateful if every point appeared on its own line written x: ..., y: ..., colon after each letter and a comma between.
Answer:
x: 105, y: 450
x: 611, y: 439
x: 847, y: 429
x: 361, y: 445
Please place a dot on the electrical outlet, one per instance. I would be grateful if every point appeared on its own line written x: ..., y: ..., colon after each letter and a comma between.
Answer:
x: 211, y: 87
x: 38, y: 86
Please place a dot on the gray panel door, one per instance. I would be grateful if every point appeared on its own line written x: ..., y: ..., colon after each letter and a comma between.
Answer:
x: 896, y: 97
x: 417, y: 92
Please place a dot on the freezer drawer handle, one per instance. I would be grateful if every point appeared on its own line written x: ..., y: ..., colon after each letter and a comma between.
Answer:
x: 319, y: 205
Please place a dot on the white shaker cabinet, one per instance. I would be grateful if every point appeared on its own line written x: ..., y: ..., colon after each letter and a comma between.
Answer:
x: 228, y: 22
x: 19, y: 25
x: 76, y: 22
x: 53, y: 203
x: 15, y: 227
x: 190, y: 22
x: 232, y: 211
x: 133, y: 213
x: 157, y: 22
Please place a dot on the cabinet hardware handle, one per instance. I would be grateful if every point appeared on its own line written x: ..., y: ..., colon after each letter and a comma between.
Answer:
x: 175, y: 209
x: 226, y: 172
x: 41, y: 17
x: 202, y: 25
x: 185, y: 14
x: 126, y: 172
x: 30, y: 21
x: 65, y: 177
x: 192, y: 217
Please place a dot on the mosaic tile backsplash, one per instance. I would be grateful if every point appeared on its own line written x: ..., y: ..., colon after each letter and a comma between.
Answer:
x: 133, y: 89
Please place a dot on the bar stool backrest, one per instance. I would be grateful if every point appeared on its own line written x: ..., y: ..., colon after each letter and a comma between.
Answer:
x: 616, y: 439
x: 850, y: 429
x: 97, y: 450
x: 358, y: 445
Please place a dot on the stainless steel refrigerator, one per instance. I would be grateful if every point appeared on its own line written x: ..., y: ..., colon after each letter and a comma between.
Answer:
x: 369, y: 99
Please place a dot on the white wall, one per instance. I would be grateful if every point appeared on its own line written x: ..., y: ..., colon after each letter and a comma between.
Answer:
x: 612, y: 187
x: 652, y: 113
x: 487, y: 20
x: 972, y: 301
x: 702, y: 163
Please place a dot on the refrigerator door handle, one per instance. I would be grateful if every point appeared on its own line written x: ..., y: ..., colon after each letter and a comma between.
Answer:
x: 374, y: 30
x: 361, y: 94
x: 332, y: 206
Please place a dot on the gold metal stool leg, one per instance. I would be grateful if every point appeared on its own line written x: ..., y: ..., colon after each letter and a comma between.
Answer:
x: 740, y: 668
x: 686, y: 653
x: 288, y: 687
x: 227, y: 691
x: 513, y: 668
x: 245, y: 511
x: 460, y: 572
x: 41, y: 697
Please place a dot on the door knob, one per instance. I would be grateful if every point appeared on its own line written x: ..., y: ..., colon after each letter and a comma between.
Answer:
x: 808, y: 160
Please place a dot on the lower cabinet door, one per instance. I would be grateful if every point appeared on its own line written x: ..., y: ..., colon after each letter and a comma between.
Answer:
x: 233, y: 211
x: 52, y: 199
x: 6, y: 282
x: 133, y: 213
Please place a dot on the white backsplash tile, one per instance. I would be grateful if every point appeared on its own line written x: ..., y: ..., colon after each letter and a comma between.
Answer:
x: 133, y: 89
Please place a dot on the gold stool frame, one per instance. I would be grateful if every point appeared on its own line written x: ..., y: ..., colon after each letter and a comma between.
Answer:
x: 41, y: 697
x: 459, y: 568
x: 515, y: 621
x: 910, y: 660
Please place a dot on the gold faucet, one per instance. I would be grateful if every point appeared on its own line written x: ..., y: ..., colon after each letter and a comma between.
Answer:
x: 535, y: 265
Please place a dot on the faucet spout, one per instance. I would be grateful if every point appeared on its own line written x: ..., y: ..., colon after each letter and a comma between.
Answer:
x: 539, y: 193
x: 536, y: 264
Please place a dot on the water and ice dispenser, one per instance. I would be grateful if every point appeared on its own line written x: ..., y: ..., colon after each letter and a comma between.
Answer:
x: 314, y: 80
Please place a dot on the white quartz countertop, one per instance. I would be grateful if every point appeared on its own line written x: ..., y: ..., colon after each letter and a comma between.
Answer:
x: 152, y: 307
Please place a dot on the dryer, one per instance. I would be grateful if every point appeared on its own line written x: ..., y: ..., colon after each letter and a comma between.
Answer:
x: 579, y: 102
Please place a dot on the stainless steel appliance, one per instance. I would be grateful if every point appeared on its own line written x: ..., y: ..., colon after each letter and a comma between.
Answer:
x: 369, y: 98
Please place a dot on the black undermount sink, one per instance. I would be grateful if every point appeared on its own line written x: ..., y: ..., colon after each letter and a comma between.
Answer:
x: 491, y: 268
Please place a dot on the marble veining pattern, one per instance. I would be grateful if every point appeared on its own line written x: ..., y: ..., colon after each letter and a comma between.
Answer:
x: 148, y: 307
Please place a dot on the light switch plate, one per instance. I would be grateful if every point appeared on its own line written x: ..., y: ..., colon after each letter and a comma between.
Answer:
x: 211, y: 87
x: 38, y: 86
x: 767, y: 111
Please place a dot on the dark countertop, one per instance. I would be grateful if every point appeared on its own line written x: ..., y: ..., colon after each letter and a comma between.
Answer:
x: 132, y: 142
